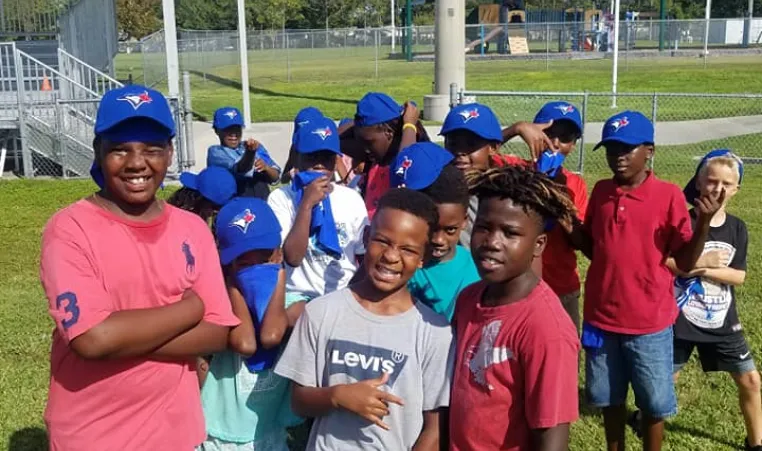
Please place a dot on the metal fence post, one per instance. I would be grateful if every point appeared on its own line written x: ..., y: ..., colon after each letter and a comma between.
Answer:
x: 375, y: 39
x: 190, y: 151
x: 26, y: 152
x: 453, y: 95
x: 581, y: 153
x: 288, y: 57
x: 547, y: 46
x: 654, y: 109
x: 59, y: 139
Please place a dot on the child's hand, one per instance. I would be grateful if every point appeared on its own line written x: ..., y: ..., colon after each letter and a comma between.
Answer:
x: 366, y: 400
x: 714, y: 259
x: 316, y: 191
x: 276, y: 257
x: 709, y: 205
x: 260, y: 165
x: 411, y: 113
x: 535, y: 137
x: 252, y: 145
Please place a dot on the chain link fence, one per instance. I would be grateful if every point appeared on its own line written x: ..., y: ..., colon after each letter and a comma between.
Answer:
x: 308, y: 55
x: 687, y: 125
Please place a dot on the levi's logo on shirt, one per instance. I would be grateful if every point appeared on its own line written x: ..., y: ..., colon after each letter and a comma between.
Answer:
x: 362, y: 361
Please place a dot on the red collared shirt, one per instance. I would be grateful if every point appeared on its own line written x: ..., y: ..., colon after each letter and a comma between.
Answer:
x: 628, y: 289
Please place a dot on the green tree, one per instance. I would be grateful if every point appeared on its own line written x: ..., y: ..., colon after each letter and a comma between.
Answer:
x: 138, y: 18
x: 206, y: 14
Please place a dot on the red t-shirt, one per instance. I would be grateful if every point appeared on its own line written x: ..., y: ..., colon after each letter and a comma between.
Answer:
x: 559, y: 261
x: 94, y: 263
x: 378, y: 184
x: 628, y: 289
x: 516, y: 370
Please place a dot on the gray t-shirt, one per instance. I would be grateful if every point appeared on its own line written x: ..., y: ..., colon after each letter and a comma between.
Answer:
x: 337, y: 341
x: 465, y: 234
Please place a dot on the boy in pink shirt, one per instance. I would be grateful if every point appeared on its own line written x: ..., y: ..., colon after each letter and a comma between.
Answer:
x: 136, y: 292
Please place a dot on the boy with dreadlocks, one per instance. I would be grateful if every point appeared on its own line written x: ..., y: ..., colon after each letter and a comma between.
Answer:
x: 517, y: 349
x: 426, y: 167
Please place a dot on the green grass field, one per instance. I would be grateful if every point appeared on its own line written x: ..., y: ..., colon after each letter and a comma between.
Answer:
x: 708, y: 419
x: 334, y: 79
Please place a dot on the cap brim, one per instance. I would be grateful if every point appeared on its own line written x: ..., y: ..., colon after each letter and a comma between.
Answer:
x: 690, y: 192
x: 189, y: 180
x: 337, y: 152
x: 446, y: 131
x: 628, y: 141
x: 227, y: 255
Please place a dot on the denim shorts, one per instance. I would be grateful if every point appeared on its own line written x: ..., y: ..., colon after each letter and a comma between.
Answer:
x: 645, y: 361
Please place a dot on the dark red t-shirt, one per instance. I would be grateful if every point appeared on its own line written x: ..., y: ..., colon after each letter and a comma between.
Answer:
x: 559, y: 261
x: 516, y: 370
x: 628, y: 289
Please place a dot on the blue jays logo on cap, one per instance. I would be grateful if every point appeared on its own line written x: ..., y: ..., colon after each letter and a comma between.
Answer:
x: 231, y: 114
x: 404, y: 166
x: 242, y: 220
x: 469, y: 114
x: 323, y: 133
x: 620, y: 123
x: 565, y: 109
x: 136, y: 100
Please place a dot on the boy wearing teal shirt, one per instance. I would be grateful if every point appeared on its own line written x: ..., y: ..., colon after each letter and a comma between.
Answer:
x: 426, y: 167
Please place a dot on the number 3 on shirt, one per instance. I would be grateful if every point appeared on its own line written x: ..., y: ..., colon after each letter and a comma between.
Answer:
x: 70, y: 300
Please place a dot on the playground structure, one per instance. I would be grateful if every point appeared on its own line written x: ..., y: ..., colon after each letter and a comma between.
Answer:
x: 581, y: 29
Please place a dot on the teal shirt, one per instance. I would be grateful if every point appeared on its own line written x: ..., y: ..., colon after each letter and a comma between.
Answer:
x: 439, y: 284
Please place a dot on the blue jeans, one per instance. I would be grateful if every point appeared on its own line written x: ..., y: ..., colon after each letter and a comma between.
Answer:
x: 645, y: 361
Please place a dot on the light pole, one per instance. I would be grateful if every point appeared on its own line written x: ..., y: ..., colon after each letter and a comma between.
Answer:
x: 244, y: 57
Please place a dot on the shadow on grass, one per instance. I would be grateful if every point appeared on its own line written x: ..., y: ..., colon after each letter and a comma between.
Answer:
x: 696, y: 432
x: 237, y: 85
x: 29, y: 439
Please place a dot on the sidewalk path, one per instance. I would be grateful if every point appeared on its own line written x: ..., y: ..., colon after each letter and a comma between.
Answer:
x: 276, y: 136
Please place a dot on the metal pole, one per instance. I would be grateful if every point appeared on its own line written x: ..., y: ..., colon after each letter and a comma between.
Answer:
x: 581, y: 162
x: 627, y: 46
x: 170, y: 46
x: 453, y: 95
x: 59, y: 140
x: 654, y: 109
x: 747, y: 24
x: 615, y: 69
x: 26, y: 152
x: 481, y: 36
x: 707, y: 16
x: 244, y: 58
x: 409, y: 30
x: 190, y: 151
x: 375, y: 38
x: 547, y: 46
x: 394, y: 30
x: 662, y: 19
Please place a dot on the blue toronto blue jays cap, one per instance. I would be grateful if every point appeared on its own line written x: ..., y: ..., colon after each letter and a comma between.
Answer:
x: 227, y: 116
x: 344, y: 122
x: 214, y: 183
x: 304, y: 117
x: 476, y: 118
x: 319, y: 134
x: 376, y: 108
x: 628, y: 127
x: 245, y: 224
x: 691, y: 190
x: 138, y: 105
x: 418, y: 166
x: 557, y: 111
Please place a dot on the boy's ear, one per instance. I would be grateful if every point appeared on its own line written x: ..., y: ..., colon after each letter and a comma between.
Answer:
x: 650, y: 149
x: 539, y: 244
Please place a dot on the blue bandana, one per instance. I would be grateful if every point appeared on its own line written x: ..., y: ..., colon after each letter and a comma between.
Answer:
x: 322, y: 225
x: 257, y: 284
x: 688, y: 288
x: 550, y: 162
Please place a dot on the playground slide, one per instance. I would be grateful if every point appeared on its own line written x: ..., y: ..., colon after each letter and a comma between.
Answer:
x: 487, y: 37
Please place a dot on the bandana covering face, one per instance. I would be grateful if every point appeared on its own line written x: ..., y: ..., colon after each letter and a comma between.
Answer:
x: 257, y: 284
x: 322, y: 224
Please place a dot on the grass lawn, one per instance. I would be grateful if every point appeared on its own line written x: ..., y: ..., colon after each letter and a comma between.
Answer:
x: 334, y: 79
x: 709, y: 418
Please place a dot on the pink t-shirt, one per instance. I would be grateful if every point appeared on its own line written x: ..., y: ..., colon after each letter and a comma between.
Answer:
x: 94, y: 263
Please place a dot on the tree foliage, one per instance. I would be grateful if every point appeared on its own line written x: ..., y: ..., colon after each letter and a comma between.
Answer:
x: 138, y: 18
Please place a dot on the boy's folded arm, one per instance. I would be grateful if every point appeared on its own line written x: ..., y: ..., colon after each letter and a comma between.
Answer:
x: 138, y: 332
x: 242, y: 338
x: 276, y: 321
x: 672, y: 266
x: 295, y: 244
x: 687, y: 255
x: 203, y: 339
x: 429, y: 439
x: 555, y: 438
x: 729, y: 276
